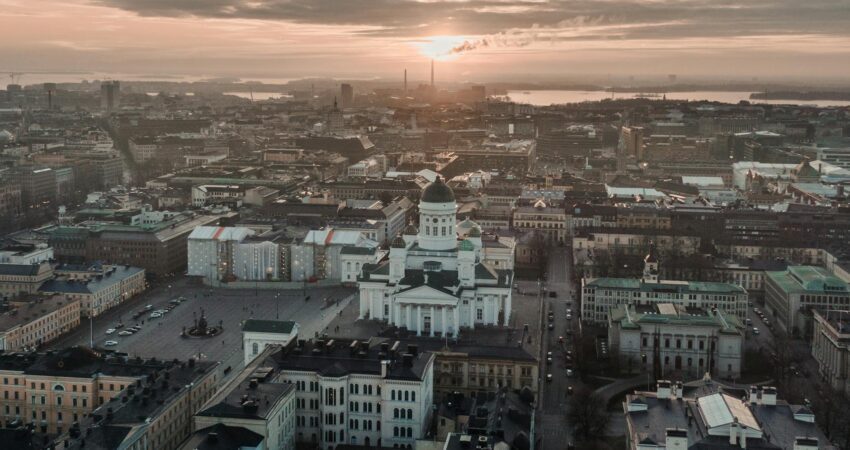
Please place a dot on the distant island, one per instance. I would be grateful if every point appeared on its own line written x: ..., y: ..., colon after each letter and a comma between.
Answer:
x: 801, y: 95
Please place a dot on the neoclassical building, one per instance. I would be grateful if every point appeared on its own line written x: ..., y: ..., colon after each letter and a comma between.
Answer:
x: 433, y: 283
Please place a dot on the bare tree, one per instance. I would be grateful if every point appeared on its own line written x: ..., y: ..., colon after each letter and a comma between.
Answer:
x: 588, y: 415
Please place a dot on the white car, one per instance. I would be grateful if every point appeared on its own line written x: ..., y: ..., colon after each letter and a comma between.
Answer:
x: 110, y: 343
x: 155, y: 315
x: 125, y: 333
x: 570, y: 373
x: 110, y: 331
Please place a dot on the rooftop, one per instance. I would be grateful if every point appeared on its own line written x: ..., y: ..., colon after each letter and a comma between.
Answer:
x: 810, y: 279
x: 681, y: 287
x: 268, y: 326
x: 338, y: 357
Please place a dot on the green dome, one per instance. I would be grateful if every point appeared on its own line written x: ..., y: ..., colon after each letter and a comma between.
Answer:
x: 466, y: 246
x: 437, y: 192
x: 398, y: 242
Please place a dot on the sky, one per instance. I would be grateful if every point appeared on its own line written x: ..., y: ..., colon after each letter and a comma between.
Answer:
x: 471, y: 40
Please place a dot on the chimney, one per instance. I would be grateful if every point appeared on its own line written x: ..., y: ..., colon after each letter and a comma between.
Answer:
x: 754, y: 395
x: 662, y: 390
x: 385, y: 368
x: 676, y: 439
x: 805, y: 443
x: 768, y: 396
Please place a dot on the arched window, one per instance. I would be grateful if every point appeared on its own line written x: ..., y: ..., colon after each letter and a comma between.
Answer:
x: 406, y: 397
x: 413, y: 396
x: 395, y: 413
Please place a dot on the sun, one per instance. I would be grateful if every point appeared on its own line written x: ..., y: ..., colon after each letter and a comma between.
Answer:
x: 439, y: 47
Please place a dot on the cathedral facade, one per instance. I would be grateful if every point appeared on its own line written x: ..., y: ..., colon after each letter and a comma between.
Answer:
x: 433, y: 283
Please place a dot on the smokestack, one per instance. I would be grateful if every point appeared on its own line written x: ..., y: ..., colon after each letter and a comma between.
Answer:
x: 405, y: 81
x: 432, y: 73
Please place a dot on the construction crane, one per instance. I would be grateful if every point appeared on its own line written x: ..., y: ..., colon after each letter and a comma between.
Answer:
x: 14, y: 77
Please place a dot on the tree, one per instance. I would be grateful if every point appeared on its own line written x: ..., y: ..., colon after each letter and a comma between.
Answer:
x: 588, y: 415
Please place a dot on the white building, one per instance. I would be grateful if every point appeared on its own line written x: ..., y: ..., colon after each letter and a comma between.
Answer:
x: 319, y: 255
x: 372, y: 167
x: 214, y: 194
x: 26, y: 254
x: 210, y: 251
x: 677, y: 340
x: 251, y: 401
x: 600, y: 295
x: 432, y: 283
x: 258, y: 334
x: 354, y: 393
x: 256, y: 259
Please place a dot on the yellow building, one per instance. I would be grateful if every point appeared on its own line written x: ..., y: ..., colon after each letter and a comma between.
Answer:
x: 29, y: 323
x: 54, y: 390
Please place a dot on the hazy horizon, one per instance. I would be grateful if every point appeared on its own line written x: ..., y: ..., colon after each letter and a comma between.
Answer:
x: 473, y: 40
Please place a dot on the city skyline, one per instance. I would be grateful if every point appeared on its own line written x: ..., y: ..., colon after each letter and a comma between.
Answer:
x: 471, y: 40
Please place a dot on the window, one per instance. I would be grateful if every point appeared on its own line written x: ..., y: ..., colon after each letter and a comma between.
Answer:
x: 255, y: 347
x: 479, y: 314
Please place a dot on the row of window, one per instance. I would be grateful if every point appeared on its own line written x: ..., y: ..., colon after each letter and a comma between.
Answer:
x: 403, y: 396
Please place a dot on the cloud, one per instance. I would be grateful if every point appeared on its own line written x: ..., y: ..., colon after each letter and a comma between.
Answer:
x: 417, y: 18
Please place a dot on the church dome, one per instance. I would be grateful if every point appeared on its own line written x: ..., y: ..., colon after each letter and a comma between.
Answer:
x: 437, y: 192
x: 398, y: 242
x: 411, y: 230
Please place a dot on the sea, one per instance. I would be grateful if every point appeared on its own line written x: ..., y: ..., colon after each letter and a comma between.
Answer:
x: 550, y: 97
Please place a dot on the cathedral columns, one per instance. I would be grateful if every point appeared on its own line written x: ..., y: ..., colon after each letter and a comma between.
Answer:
x: 433, y: 320
x: 409, y: 324
x: 456, y: 327
x: 419, y: 320
x: 472, y: 312
x: 445, y: 325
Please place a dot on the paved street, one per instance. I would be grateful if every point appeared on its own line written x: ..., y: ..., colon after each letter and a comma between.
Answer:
x: 161, y: 337
x: 554, y: 394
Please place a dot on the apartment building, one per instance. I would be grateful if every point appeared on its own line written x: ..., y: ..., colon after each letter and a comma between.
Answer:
x: 831, y: 346
x: 29, y: 323
x: 153, y: 411
x: 101, y: 291
x: 351, y: 392
x: 20, y: 279
x: 541, y: 218
x: 253, y: 403
x: 53, y: 390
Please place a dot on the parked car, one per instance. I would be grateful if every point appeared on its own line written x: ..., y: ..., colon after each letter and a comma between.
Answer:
x: 155, y: 315
x: 755, y: 330
x: 570, y: 373
x: 569, y: 390
x: 110, y: 331
x: 148, y: 307
x: 569, y: 317
x: 551, y: 326
x: 125, y: 333
x: 119, y: 325
x: 553, y: 294
x: 110, y: 343
x: 549, y: 377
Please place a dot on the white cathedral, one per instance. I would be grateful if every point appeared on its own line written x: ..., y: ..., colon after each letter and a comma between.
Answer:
x: 433, y: 283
